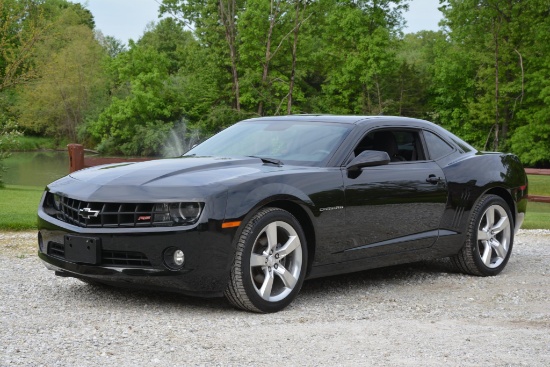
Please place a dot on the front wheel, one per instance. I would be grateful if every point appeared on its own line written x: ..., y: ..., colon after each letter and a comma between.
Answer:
x: 270, y: 262
x: 489, y: 239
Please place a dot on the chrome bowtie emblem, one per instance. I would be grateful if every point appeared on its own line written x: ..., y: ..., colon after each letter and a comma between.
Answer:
x: 88, y: 213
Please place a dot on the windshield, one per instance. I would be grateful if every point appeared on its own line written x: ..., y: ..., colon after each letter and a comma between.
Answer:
x: 302, y: 143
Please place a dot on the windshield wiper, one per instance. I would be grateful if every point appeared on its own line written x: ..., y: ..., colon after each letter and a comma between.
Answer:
x: 268, y: 160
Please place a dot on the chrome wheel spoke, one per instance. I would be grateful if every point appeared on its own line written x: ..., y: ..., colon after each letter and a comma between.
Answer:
x: 292, y: 244
x: 257, y: 260
x: 490, y: 215
x: 502, y: 224
x: 267, y: 285
x: 288, y: 279
x: 271, y: 233
x: 486, y: 256
x: 499, y: 248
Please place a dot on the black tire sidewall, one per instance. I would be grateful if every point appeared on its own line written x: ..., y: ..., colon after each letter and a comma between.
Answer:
x: 258, y: 224
x: 482, y: 207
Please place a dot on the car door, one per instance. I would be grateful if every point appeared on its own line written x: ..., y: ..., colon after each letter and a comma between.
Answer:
x: 395, y: 207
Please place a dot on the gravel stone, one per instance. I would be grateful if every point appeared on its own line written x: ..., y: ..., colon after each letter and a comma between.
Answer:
x: 421, y: 314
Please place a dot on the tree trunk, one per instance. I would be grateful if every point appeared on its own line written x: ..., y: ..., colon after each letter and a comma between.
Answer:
x: 227, y: 18
x: 297, y: 24
x: 497, y: 122
x: 273, y: 16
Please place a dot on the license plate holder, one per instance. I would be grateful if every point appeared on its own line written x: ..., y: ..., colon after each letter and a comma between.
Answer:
x: 80, y: 249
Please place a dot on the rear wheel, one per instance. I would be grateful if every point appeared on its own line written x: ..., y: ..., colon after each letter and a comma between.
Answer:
x: 489, y: 240
x: 270, y: 262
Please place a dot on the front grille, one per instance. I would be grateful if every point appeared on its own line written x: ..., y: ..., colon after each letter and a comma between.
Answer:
x: 106, y: 215
x: 108, y: 257
x: 56, y: 249
x: 124, y: 258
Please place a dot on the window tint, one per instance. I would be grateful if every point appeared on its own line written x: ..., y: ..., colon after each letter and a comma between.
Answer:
x: 401, y: 145
x: 436, y: 146
x: 293, y: 142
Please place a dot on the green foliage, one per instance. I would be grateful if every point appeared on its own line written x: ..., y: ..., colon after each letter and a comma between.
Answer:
x: 492, y: 74
x: 485, y: 75
x: 110, y: 44
x: 26, y: 143
x: 145, y: 105
x: 8, y: 141
x: 22, y: 25
x: 361, y: 39
x: 72, y: 81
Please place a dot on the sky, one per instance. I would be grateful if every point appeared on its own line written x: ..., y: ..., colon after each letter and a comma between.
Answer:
x: 125, y: 19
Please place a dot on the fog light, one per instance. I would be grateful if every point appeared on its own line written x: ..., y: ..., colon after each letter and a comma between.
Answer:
x: 179, y: 257
x: 174, y: 258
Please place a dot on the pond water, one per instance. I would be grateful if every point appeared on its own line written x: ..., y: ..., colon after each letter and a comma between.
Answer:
x: 35, y: 168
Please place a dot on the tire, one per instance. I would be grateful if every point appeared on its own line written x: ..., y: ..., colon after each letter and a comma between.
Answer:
x: 489, y: 239
x: 270, y: 262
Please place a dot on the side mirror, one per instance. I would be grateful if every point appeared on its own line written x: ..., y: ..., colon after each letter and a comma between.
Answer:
x: 368, y: 158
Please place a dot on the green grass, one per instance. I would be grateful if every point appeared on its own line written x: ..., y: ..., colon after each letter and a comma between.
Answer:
x: 539, y: 185
x: 537, y: 216
x: 19, y: 205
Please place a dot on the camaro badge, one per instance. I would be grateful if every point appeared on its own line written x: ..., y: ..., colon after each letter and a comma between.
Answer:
x: 88, y: 213
x: 331, y: 208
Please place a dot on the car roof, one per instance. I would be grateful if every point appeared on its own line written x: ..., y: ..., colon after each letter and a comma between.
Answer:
x: 347, y: 119
x: 388, y: 121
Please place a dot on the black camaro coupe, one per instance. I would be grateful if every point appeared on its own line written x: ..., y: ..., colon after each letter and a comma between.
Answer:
x: 268, y: 202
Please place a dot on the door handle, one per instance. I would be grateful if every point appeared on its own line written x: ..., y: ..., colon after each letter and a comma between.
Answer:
x: 433, y: 179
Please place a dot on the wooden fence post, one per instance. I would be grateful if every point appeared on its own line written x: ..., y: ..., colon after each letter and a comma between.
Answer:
x: 76, y: 157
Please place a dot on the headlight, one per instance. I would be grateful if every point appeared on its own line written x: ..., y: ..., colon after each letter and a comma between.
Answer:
x: 176, y: 213
x: 185, y: 212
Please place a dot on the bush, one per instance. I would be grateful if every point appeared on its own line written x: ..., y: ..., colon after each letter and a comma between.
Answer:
x: 8, y: 141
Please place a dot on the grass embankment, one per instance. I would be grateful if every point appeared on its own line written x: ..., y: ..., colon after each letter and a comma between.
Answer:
x: 539, y: 185
x: 538, y: 214
x: 19, y: 204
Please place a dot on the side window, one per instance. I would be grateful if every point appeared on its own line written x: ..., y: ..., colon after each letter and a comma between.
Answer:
x: 401, y: 145
x: 436, y: 146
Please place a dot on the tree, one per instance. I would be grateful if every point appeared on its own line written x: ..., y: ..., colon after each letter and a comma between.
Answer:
x: 493, y: 75
x: 360, y: 38
x: 215, y: 24
x: 8, y: 141
x: 71, y: 81
x: 22, y: 26
x: 158, y: 82
x: 110, y: 44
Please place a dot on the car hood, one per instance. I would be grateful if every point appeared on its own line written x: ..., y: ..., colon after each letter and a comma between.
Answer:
x: 163, y: 179
x: 169, y: 172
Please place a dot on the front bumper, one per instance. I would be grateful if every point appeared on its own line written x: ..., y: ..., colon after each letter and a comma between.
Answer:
x: 208, y: 258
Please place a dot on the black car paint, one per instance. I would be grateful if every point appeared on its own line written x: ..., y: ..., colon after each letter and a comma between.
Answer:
x: 352, y: 222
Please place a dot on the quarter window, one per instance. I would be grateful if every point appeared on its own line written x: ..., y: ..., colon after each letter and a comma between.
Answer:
x: 437, y: 147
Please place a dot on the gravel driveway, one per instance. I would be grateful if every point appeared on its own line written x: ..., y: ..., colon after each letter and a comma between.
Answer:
x: 413, y: 315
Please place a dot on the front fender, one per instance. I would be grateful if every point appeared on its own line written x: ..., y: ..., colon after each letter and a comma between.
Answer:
x: 242, y: 202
